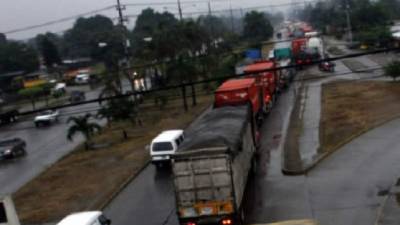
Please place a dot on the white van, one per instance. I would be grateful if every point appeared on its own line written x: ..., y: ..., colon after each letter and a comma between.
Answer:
x: 8, y: 215
x: 85, y: 218
x: 165, y: 145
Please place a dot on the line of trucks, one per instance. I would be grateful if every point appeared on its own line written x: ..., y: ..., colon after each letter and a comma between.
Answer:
x: 213, y: 159
x: 305, y: 46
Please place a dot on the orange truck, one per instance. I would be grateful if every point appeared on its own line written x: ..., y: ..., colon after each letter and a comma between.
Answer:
x: 240, y: 92
x: 268, y: 81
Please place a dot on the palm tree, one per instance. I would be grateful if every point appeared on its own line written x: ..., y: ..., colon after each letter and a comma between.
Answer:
x: 84, y: 126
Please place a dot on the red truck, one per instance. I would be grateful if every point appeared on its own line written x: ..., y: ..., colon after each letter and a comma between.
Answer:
x: 268, y: 81
x: 239, y: 92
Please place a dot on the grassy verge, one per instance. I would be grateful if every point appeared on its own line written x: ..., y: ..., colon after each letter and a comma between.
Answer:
x: 84, y: 179
x: 292, y: 157
x: 350, y: 108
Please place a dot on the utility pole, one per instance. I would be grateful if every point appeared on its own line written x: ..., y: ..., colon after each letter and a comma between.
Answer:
x: 209, y: 8
x: 180, y: 10
x: 126, y: 65
x: 232, y: 24
x: 349, y: 29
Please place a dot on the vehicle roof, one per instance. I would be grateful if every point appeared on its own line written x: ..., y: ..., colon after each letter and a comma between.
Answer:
x: 168, y: 135
x: 256, y: 67
x: 236, y: 84
x: 81, y: 218
x: 219, y: 128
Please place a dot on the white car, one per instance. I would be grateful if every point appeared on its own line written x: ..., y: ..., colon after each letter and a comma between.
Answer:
x: 46, y: 117
x: 82, y: 78
x: 164, y: 146
x: 85, y: 218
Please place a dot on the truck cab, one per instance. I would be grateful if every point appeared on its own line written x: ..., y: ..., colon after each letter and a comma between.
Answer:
x: 268, y: 80
x: 164, y: 146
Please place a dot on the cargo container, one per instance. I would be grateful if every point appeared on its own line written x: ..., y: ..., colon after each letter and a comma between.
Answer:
x: 211, y: 168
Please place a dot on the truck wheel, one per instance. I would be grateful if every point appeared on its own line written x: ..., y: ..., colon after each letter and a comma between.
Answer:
x: 37, y: 124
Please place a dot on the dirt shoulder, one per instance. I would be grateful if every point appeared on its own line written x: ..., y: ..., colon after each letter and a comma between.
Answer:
x: 351, y: 108
x: 83, y: 180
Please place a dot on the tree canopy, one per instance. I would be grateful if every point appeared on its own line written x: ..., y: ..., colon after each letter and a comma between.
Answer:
x: 257, y: 27
x: 48, y: 50
x: 17, y: 56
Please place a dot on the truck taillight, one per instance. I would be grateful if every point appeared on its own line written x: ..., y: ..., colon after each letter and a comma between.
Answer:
x: 226, y: 222
x: 299, y: 61
x: 190, y: 223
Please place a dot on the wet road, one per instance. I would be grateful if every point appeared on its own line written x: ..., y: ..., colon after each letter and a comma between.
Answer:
x: 45, y: 146
x: 149, y: 199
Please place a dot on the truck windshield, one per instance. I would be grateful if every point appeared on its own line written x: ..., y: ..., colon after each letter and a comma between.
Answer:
x: 162, y: 146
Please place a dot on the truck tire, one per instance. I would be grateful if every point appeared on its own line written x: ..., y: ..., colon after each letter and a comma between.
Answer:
x: 37, y: 124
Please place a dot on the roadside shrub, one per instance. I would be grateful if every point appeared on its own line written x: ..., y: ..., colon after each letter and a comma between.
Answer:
x: 392, y: 69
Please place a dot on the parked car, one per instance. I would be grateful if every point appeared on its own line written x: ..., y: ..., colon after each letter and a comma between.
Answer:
x: 12, y: 148
x: 164, y: 146
x: 85, y: 218
x: 77, y: 96
x: 46, y: 117
x: 82, y: 78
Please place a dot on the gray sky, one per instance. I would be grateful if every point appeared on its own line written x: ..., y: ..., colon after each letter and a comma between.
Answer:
x: 16, y: 14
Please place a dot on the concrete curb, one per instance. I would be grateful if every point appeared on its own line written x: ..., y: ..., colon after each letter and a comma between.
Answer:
x: 325, y: 155
x: 106, y: 202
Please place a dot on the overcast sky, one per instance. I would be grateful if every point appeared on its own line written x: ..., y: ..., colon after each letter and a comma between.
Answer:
x: 15, y: 14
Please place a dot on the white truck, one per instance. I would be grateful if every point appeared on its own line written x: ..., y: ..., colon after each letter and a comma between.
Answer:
x: 211, y: 167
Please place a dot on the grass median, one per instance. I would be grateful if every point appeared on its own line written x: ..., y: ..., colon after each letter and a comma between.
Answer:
x: 83, y: 180
x: 351, y: 108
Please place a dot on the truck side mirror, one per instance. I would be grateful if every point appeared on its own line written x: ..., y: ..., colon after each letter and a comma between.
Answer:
x: 108, y: 222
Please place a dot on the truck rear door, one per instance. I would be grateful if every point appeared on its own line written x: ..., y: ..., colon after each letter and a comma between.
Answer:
x: 203, y: 186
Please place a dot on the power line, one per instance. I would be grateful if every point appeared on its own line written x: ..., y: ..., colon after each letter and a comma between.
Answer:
x: 65, y: 19
x: 210, y: 80
x: 59, y: 20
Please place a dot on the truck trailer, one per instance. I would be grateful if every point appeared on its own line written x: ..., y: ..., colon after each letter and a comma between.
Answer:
x: 240, y: 92
x: 211, y: 168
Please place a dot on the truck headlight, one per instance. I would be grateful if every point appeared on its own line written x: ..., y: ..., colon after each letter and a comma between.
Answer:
x: 188, y: 212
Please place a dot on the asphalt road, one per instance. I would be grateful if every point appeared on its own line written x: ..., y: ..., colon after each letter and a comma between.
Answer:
x: 45, y: 145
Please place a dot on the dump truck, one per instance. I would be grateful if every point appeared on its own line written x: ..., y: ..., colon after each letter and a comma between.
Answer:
x: 211, y: 167
x: 240, y: 92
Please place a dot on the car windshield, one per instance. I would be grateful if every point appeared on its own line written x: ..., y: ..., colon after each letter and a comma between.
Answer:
x: 162, y: 146
x: 47, y: 112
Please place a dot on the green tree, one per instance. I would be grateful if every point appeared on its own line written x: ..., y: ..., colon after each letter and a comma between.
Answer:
x: 257, y: 27
x: 82, y: 124
x: 86, y: 34
x: 392, y: 69
x: 3, y: 39
x: 48, y: 51
x: 17, y: 56
x: 32, y: 94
